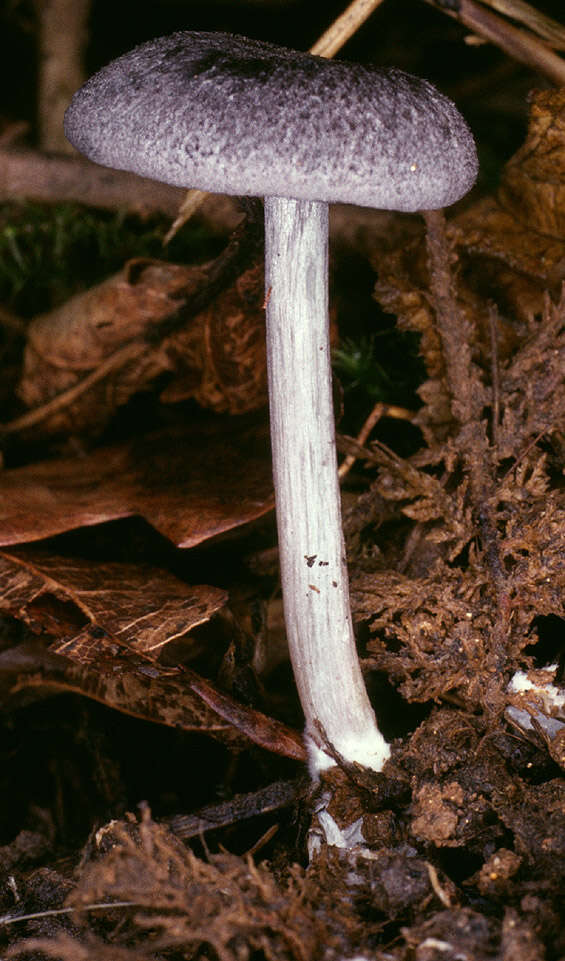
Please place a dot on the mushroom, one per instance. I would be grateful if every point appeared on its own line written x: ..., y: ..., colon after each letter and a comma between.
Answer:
x: 227, y: 114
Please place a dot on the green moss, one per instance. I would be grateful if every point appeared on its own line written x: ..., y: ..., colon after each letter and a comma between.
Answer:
x: 48, y: 253
x: 379, y: 367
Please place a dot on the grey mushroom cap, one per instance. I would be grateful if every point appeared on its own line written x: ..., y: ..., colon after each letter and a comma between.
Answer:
x: 237, y: 116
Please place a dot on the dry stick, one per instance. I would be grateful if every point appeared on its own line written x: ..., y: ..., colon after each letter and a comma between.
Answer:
x: 343, y: 28
x: 118, y: 359
x: 60, y: 65
x: 191, y: 204
x: 332, y: 40
x: 262, y: 841
x: 51, y: 177
x: 440, y: 892
x: 239, y: 808
x: 536, y: 21
x: 519, y: 44
x: 379, y: 410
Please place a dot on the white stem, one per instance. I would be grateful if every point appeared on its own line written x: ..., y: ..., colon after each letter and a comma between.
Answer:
x: 311, y: 548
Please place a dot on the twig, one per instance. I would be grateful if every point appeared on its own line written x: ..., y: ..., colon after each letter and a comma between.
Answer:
x: 191, y: 204
x: 53, y: 912
x: 439, y: 891
x: 59, y: 65
x: 240, y: 808
x: 262, y: 841
x: 52, y: 177
x: 379, y: 410
x: 517, y: 43
x: 343, y: 28
x: 548, y: 29
x: 112, y: 363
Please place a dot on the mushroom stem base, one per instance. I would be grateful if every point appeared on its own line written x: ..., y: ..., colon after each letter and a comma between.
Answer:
x: 311, y: 547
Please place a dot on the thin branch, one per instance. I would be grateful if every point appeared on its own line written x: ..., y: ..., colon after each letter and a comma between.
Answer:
x: 53, y: 912
x: 32, y: 418
x: 379, y: 410
x: 517, y: 43
x: 191, y: 204
x: 343, y: 28
x: 60, y: 65
x: 239, y: 808
x: 548, y: 29
x: 53, y: 177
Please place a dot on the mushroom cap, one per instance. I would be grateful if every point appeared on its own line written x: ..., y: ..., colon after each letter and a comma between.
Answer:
x: 237, y: 116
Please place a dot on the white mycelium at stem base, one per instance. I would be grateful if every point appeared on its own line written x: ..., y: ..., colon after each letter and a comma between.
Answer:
x: 311, y: 547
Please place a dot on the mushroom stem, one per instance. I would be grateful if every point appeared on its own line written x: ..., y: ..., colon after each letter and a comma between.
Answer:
x: 311, y: 546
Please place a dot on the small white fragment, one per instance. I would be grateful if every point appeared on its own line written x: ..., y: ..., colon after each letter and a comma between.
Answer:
x: 345, y: 838
x: 534, y: 696
x: 438, y: 945
x: 325, y: 831
x: 550, y: 725
x: 444, y: 946
x: 522, y: 682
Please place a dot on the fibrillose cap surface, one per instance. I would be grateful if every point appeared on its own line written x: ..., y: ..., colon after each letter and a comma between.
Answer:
x: 237, y: 116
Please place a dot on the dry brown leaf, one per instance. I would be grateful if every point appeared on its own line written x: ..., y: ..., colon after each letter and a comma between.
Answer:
x: 513, y: 244
x: 533, y: 184
x: 190, y: 484
x: 220, y: 360
x: 112, y: 341
x: 508, y: 249
x: 142, y: 607
x: 106, y: 625
x: 68, y: 344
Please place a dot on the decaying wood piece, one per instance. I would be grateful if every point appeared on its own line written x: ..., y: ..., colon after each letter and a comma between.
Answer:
x: 239, y: 808
x: 53, y: 178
